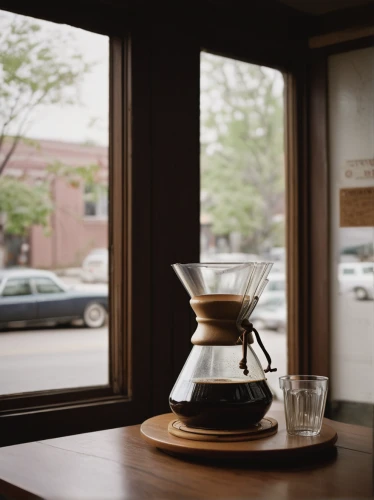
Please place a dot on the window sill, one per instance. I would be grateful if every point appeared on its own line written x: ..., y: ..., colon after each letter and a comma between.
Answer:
x: 51, y: 422
x: 95, y: 218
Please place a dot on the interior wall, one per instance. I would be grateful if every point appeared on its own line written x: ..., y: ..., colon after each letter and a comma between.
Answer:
x: 351, y: 138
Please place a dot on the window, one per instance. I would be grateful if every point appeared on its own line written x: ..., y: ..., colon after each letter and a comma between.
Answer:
x: 242, y: 215
x: 368, y: 270
x: 349, y: 270
x: 350, y: 127
x: 46, y: 285
x: 55, y: 78
x: 15, y: 287
x: 43, y: 225
x: 95, y: 201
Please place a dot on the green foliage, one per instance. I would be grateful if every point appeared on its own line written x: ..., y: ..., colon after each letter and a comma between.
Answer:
x: 24, y: 205
x: 242, y: 170
x: 74, y: 175
x: 38, y: 66
x: 27, y: 204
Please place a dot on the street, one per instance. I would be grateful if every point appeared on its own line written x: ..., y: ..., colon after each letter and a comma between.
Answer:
x: 44, y: 358
x: 53, y: 358
x: 57, y: 358
x: 37, y: 359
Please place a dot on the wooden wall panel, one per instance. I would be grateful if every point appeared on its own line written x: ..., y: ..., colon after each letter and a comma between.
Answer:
x: 175, y: 200
x: 319, y: 316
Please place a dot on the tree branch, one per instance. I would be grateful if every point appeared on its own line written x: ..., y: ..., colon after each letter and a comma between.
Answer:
x: 11, y: 117
x: 19, y: 134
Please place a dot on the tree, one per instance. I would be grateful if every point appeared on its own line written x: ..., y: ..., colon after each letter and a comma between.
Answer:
x: 242, y: 171
x: 37, y: 67
x: 26, y: 204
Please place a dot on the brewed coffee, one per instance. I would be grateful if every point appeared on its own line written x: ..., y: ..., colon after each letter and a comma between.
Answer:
x: 221, y: 403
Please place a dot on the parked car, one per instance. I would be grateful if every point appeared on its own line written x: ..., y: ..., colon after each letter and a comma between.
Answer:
x: 276, y: 288
x: 33, y: 296
x: 278, y: 268
x: 270, y: 314
x: 357, y: 277
x: 95, y: 266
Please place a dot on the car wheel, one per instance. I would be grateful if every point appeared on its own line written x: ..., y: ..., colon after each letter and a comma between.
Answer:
x: 361, y: 293
x: 94, y: 315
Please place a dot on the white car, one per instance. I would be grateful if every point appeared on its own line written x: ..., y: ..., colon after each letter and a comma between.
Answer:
x: 270, y: 314
x: 276, y: 288
x: 95, y: 266
x: 357, y: 277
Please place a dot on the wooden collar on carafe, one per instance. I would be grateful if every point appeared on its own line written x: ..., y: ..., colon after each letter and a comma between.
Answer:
x: 216, y: 316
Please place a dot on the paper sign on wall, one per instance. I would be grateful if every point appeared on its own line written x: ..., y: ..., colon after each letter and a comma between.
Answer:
x: 362, y: 170
x: 357, y: 207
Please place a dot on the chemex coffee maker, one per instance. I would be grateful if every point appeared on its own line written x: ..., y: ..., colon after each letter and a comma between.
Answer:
x: 221, y: 398
x: 222, y: 386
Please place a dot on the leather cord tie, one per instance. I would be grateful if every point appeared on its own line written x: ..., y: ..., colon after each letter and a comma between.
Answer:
x: 249, y: 328
x: 243, y: 362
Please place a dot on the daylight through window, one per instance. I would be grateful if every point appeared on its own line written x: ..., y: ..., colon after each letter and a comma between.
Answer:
x: 54, y: 106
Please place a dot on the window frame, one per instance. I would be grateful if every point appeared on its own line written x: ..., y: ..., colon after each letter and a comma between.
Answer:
x: 41, y: 412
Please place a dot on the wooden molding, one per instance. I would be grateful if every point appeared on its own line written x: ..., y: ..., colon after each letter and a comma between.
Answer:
x: 299, y: 267
x: 291, y: 223
x: 117, y: 219
x: 317, y: 42
x: 318, y: 181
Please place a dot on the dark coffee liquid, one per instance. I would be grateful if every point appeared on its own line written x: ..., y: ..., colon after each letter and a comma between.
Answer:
x: 221, y: 403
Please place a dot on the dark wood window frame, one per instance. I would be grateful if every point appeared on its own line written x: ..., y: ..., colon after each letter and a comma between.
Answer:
x: 43, y: 414
x: 150, y: 318
x: 120, y: 165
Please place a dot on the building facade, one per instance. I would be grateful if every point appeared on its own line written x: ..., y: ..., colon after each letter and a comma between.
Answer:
x: 79, y: 221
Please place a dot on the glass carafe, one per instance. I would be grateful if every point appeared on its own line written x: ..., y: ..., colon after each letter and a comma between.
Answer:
x: 222, y: 384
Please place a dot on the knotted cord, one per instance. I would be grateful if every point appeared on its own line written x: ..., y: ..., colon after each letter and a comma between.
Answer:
x: 249, y: 328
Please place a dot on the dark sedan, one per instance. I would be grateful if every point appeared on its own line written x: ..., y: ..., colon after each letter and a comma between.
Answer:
x: 32, y: 296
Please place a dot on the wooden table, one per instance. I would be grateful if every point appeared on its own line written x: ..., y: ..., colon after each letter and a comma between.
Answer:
x: 117, y: 463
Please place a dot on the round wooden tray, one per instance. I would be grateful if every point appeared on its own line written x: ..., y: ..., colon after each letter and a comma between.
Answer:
x: 267, y: 427
x: 280, y: 445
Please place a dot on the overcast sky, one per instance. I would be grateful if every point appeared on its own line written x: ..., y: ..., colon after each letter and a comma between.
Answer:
x: 72, y: 123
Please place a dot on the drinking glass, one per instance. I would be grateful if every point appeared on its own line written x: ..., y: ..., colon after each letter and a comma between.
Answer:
x: 304, y: 403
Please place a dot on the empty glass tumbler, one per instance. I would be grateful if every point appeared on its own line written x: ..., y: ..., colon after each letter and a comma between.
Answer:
x: 304, y: 403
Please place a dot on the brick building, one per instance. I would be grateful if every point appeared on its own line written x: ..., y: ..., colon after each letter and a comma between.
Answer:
x: 80, y: 221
